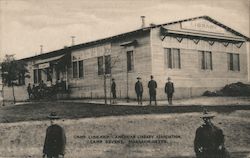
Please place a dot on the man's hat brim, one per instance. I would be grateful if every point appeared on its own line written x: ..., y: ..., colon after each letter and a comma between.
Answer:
x: 53, y: 116
x: 207, y: 116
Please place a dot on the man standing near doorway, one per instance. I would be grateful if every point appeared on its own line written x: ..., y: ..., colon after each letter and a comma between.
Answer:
x: 169, y: 90
x: 152, y: 85
x: 139, y: 90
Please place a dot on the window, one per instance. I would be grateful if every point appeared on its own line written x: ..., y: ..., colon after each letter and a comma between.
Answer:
x: 57, y: 74
x: 75, y: 75
x: 80, y: 64
x: 172, y: 58
x: 78, y: 71
x: 233, y: 61
x: 107, y: 64
x: 104, y: 62
x: 206, y: 60
x: 100, y: 65
x: 21, y: 79
x: 130, y: 61
x: 39, y: 75
x: 49, y: 73
x: 35, y: 75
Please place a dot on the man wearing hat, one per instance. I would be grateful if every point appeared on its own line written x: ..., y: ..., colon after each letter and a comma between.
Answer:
x: 113, y: 90
x: 139, y: 90
x: 169, y: 90
x: 55, y: 140
x: 152, y: 85
x: 209, y: 139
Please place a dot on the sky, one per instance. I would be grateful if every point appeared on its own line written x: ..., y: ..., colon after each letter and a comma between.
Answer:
x: 27, y: 24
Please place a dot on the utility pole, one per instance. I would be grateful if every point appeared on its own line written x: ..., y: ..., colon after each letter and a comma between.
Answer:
x: 104, y: 80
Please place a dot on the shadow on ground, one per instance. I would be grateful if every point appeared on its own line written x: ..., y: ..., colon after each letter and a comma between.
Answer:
x: 67, y: 110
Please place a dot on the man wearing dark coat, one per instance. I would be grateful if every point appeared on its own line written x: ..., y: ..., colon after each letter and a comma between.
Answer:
x: 113, y: 90
x: 55, y: 140
x: 29, y: 90
x: 209, y: 140
x: 169, y: 90
x: 152, y: 85
x: 139, y: 90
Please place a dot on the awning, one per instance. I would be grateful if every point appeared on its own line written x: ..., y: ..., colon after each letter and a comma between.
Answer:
x: 166, y: 31
x: 129, y: 43
x: 42, y: 61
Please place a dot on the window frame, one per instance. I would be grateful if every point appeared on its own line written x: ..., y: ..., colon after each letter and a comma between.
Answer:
x: 231, y: 62
x: 74, y: 69
x: 170, y: 55
x: 132, y: 61
x: 206, y: 60
x: 80, y: 70
x: 104, y: 67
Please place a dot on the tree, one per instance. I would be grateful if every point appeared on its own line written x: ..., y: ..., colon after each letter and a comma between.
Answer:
x: 108, y: 64
x: 14, y: 72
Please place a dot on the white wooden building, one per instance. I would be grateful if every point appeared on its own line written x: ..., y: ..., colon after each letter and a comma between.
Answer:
x: 199, y: 54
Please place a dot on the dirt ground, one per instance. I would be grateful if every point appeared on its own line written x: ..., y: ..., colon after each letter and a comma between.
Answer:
x: 174, y: 133
x: 98, y: 131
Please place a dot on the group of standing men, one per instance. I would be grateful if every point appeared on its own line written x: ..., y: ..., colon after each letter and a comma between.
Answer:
x: 152, y: 86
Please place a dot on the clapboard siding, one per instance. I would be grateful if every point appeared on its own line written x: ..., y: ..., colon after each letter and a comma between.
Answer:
x: 92, y: 85
x: 190, y: 74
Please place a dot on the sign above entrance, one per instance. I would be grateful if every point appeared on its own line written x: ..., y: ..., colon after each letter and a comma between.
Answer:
x: 43, y: 66
x: 203, y: 25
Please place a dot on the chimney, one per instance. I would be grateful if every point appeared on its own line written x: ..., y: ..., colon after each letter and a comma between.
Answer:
x: 142, y: 21
x: 41, y: 50
x: 73, y: 40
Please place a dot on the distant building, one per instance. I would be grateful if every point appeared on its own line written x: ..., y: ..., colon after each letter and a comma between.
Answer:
x: 199, y: 54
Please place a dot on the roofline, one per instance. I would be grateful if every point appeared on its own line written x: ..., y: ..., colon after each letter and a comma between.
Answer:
x: 136, y: 31
x: 79, y: 46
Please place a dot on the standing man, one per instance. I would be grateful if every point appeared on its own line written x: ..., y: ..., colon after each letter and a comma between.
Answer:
x: 152, y: 85
x: 113, y: 90
x: 29, y: 90
x: 55, y: 139
x: 169, y: 90
x: 209, y: 140
x: 139, y: 90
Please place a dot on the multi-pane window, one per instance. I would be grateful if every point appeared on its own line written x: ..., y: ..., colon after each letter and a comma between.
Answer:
x: 35, y: 72
x: 104, y: 62
x: 49, y: 73
x: 39, y: 75
x: 78, y: 69
x: 130, y: 61
x: 100, y: 65
x: 75, y: 69
x: 206, y: 60
x: 21, y: 79
x: 233, y: 61
x: 172, y: 58
x: 107, y: 64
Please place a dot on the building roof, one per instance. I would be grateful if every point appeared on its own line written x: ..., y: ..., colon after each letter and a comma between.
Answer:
x: 103, y: 40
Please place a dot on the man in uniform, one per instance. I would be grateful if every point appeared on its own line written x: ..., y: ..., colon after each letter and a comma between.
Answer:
x: 113, y: 90
x: 169, y: 90
x: 29, y: 90
x: 139, y: 90
x: 152, y: 85
x: 209, y: 140
x: 55, y: 139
